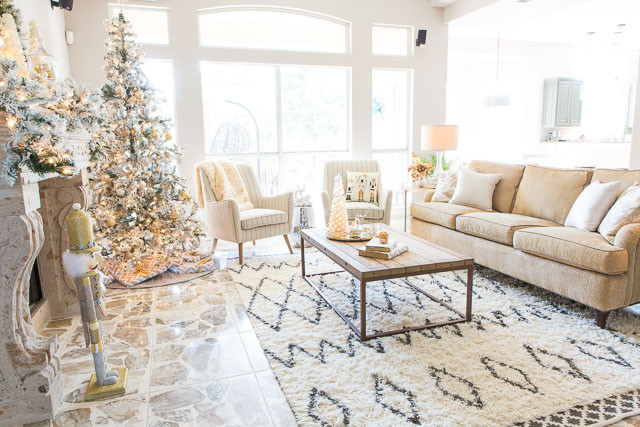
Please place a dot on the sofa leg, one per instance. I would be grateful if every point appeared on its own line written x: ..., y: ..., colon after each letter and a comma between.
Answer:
x: 215, y: 244
x: 286, y: 239
x: 601, y: 318
x: 240, y: 259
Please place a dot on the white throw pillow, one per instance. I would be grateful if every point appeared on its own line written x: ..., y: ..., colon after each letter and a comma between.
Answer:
x: 592, y: 205
x: 475, y: 189
x: 624, y: 211
x: 445, y: 187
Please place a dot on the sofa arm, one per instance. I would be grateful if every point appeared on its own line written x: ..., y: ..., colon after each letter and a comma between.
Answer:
x: 224, y: 220
x: 326, y: 204
x: 629, y: 238
x: 385, y: 201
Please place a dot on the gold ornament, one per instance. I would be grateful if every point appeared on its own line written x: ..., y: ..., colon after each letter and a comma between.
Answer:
x: 175, y: 214
x: 168, y: 136
x: 184, y: 195
x: 155, y: 134
x: 156, y: 225
x: 139, y: 94
x: 118, y: 90
x: 111, y: 221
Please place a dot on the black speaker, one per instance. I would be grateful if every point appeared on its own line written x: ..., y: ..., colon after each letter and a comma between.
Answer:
x: 62, y: 4
x: 422, y: 38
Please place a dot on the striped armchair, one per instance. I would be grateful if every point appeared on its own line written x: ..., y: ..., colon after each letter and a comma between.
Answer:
x: 372, y: 212
x: 271, y: 216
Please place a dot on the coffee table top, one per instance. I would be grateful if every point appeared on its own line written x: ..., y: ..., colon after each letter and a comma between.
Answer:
x: 422, y: 257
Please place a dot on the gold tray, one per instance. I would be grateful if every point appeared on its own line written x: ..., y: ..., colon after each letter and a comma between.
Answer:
x: 367, y: 235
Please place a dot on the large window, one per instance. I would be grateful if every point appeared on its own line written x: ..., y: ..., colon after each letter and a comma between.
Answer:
x: 150, y: 24
x: 272, y: 29
x: 391, y: 124
x: 285, y: 120
x: 160, y: 75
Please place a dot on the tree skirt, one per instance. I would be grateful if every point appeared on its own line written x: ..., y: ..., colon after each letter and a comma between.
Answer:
x: 528, y: 357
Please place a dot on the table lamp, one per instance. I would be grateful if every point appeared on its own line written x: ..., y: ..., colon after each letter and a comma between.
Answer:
x: 439, y: 138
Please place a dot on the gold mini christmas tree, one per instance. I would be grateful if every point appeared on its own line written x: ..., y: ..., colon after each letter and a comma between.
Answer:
x: 338, y: 218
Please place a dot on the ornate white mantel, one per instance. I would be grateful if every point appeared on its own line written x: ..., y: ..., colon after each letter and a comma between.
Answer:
x: 32, y: 215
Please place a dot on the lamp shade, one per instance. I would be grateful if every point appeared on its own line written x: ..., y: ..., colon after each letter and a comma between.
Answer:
x: 439, y: 138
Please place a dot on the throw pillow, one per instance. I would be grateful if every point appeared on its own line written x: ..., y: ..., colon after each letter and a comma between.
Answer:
x: 475, y: 189
x: 592, y: 205
x: 362, y: 187
x: 624, y: 211
x: 445, y: 187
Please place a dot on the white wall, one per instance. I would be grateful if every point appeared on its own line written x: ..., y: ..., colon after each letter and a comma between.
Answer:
x: 513, y: 133
x: 52, y: 27
x: 429, y: 64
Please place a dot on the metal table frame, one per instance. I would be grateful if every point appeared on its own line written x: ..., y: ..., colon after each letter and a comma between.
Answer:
x: 362, y: 331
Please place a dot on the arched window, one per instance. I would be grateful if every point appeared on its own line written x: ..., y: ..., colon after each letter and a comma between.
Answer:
x: 270, y: 28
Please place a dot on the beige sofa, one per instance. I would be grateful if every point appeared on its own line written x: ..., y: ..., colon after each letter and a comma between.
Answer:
x: 524, y: 237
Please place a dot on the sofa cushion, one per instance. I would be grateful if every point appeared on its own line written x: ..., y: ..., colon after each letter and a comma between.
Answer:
x: 626, y: 177
x: 505, y: 192
x: 549, y: 193
x: 254, y: 218
x: 497, y: 226
x: 571, y: 246
x: 369, y: 210
x: 443, y: 214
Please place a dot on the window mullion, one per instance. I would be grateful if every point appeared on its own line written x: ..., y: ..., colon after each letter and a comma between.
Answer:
x: 279, y: 123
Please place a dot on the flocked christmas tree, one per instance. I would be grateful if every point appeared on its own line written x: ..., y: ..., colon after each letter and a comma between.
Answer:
x: 141, y: 205
x: 338, y: 218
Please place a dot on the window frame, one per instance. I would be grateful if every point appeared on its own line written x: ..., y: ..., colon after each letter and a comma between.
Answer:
x: 410, y: 38
x: 281, y: 9
x: 397, y: 200
x: 166, y: 10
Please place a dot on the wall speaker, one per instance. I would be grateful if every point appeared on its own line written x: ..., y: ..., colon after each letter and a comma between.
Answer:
x: 62, y: 4
x: 422, y: 38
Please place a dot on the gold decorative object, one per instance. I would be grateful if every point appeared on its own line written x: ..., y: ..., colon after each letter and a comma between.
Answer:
x: 384, y: 237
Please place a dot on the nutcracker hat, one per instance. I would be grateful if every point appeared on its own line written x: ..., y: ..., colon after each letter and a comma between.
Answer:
x: 80, y: 230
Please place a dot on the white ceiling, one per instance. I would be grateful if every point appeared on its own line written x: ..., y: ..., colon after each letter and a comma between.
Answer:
x: 556, y: 21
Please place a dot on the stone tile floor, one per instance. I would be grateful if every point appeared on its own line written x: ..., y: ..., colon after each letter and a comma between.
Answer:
x: 192, y: 355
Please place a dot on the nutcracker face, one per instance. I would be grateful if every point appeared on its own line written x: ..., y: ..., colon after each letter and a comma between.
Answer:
x: 94, y: 260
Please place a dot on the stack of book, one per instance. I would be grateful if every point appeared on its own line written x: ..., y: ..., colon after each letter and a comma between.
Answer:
x: 375, y: 249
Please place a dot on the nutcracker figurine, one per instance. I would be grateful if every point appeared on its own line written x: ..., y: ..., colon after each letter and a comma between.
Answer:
x: 81, y: 262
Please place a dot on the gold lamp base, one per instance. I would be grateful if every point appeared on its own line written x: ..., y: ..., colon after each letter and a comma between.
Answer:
x: 95, y: 392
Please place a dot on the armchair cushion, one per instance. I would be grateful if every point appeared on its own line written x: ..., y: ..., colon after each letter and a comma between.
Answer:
x: 254, y: 218
x: 369, y: 210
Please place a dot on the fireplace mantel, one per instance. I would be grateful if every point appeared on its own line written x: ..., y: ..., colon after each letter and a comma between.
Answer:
x: 32, y: 213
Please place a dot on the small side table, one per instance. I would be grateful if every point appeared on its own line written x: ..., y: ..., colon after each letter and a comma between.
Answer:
x: 302, y: 220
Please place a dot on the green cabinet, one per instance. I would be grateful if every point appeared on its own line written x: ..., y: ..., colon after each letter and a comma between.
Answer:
x: 562, y: 102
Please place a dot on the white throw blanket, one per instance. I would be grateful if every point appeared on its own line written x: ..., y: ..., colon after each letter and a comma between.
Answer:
x: 225, y: 181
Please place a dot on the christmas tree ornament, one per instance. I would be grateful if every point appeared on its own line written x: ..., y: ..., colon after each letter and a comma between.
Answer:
x: 338, y: 218
x: 81, y: 262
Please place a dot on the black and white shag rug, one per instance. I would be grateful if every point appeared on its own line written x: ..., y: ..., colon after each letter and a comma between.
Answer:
x: 528, y: 357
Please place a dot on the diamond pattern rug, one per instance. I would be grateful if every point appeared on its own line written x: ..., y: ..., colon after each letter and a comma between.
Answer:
x: 528, y: 358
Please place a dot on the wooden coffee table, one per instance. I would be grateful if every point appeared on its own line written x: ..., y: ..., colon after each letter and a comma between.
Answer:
x: 422, y: 258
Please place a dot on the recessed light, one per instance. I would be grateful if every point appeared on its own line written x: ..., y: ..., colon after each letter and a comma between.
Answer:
x: 591, y: 33
x: 617, y: 32
x: 523, y: 1
x: 620, y: 25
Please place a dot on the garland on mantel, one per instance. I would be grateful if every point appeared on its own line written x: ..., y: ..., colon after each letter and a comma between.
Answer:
x: 39, y: 112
